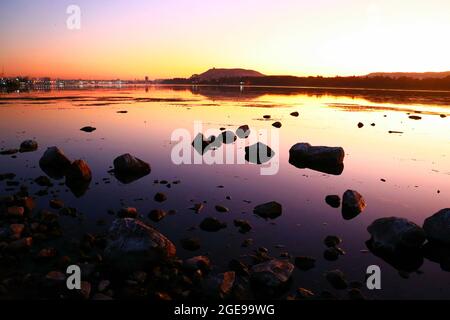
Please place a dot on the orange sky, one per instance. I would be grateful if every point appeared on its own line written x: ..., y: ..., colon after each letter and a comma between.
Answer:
x: 169, y: 38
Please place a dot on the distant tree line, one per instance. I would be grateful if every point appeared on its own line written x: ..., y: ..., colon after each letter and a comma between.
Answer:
x: 376, y: 82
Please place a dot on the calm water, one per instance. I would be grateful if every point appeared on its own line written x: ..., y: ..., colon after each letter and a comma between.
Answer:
x: 415, y: 165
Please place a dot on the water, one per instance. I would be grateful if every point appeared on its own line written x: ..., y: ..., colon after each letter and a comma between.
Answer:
x: 415, y: 165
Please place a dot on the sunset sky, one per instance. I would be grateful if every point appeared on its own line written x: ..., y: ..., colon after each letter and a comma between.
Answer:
x: 168, y: 38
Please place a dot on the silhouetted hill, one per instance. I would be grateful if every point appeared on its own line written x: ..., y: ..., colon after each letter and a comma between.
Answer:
x: 413, y: 75
x: 216, y: 74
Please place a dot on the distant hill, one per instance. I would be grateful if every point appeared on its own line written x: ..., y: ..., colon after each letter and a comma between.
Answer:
x: 216, y: 74
x: 413, y: 75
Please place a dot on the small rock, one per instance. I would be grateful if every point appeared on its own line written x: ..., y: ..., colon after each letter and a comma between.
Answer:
x: 221, y: 208
x: 43, y: 181
x: 333, y: 201
x: 228, y: 137
x: 88, y: 129
x: 303, y: 294
x: 15, y: 212
x: 197, y: 263
x: 331, y: 254
x: 243, y: 131
x: 352, y: 204
x: 360, y: 124
x: 212, y: 224
x: 269, y: 210
x: 28, y: 146
x: 355, y: 294
x: 190, y: 244
x: 56, y: 276
x: 266, y: 116
x: 415, y: 117
x: 272, y: 274
x: 160, y: 197
x: 305, y: 263
x: 277, y: 124
x: 258, y: 153
x: 295, y: 114
x: 332, y: 241
x: 320, y: 158
x: 337, y: 279
x: 56, y: 204
x: 157, y: 215
x: 243, y: 225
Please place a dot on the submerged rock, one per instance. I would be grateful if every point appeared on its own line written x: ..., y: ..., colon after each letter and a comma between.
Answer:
x: 212, y: 224
x: 272, y: 274
x: 437, y: 227
x: 352, y: 204
x: 269, y: 210
x: 337, y: 279
x: 54, y: 162
x: 243, y: 131
x: 157, y: 215
x: 160, y: 197
x: 28, y: 146
x: 258, y: 153
x: 132, y: 244
x: 395, y: 234
x: 128, y: 168
x: 324, y: 159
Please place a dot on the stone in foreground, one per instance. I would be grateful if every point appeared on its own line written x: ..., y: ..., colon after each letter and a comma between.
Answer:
x: 353, y: 204
x: 132, y: 245
x: 128, y: 168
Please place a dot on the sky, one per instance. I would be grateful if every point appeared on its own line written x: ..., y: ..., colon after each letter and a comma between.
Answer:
x: 131, y: 39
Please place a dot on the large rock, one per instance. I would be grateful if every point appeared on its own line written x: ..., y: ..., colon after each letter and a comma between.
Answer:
x: 353, y: 204
x: 324, y: 159
x: 272, y: 274
x: 437, y: 227
x: 128, y: 168
x: 54, y: 162
x: 395, y: 234
x: 28, y: 146
x: 132, y: 245
x: 269, y: 210
x: 258, y: 153
x: 78, y: 177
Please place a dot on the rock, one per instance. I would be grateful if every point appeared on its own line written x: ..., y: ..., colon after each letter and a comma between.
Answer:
x: 243, y: 131
x: 266, y: 116
x: 56, y: 276
x: 240, y: 268
x: 272, y: 274
x: 16, y: 230
x: 132, y: 244
x: 190, y: 244
x: 54, y: 162
x: 198, y: 207
x: 212, y: 224
x: 201, y: 144
x: 337, y: 279
x: 415, y: 117
x: 331, y: 254
x: 160, y: 197
x: 15, y: 212
x: 277, y: 124
x: 128, y: 168
x: 28, y: 146
x: 352, y: 204
x: 303, y: 294
x: 218, y: 286
x: 437, y: 227
x: 395, y: 234
x: 157, y: 215
x: 43, y: 181
x: 258, y: 153
x: 332, y: 241
x: 228, y: 137
x: 243, y: 225
x: 324, y: 159
x: 9, y: 152
x: 295, y: 114
x: 85, y: 291
x: 128, y: 212
x: 333, y: 201
x: 79, y: 172
x: 220, y: 208
x: 305, y: 263
x: 269, y: 210
x: 21, y: 244
x: 197, y: 263
x: 360, y: 124
x: 56, y: 204
x: 443, y: 115
x: 88, y: 129
x: 101, y: 297
x: 103, y: 285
